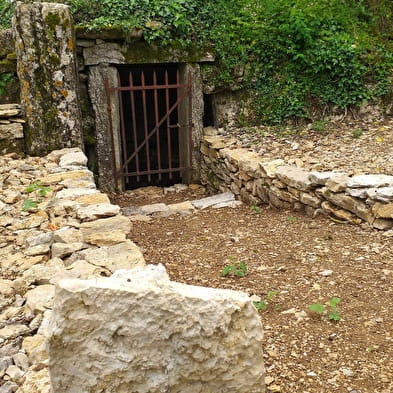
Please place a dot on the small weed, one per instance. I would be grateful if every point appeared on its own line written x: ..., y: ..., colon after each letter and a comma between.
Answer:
x: 38, y: 191
x: 237, y: 269
x: 292, y: 218
x: 255, y: 209
x: 263, y: 304
x: 319, y: 126
x: 357, y: 133
x: 371, y: 348
x: 332, y: 311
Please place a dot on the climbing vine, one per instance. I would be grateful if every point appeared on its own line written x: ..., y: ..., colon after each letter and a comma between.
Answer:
x: 293, y: 55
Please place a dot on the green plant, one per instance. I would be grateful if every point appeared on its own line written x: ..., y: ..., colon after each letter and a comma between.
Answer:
x: 4, y: 80
x: 292, y: 218
x: 238, y: 269
x: 357, y: 133
x: 319, y: 126
x: 332, y: 311
x: 38, y: 191
x: 263, y: 304
x: 255, y: 209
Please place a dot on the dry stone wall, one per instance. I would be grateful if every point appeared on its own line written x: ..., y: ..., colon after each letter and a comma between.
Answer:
x: 11, y: 128
x: 361, y: 198
x: 74, y: 232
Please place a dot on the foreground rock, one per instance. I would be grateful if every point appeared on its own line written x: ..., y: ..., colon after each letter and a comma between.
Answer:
x: 138, y: 332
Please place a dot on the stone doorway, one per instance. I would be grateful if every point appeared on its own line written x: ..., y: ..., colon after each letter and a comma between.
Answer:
x: 154, y: 108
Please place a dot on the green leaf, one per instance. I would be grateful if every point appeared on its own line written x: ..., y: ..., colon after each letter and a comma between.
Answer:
x: 260, y: 305
x: 317, y: 307
x: 29, y: 204
x: 334, y: 316
x: 271, y: 294
x: 334, y: 301
x: 226, y: 270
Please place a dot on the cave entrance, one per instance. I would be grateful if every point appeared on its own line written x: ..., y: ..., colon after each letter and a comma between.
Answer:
x: 154, y: 105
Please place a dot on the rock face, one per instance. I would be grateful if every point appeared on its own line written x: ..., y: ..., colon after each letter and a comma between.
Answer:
x: 47, y: 71
x: 138, y: 332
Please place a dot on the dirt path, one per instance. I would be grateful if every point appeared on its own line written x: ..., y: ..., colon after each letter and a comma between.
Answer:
x: 292, y: 262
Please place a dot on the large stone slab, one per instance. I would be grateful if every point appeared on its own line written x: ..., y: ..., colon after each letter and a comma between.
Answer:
x: 139, y: 332
x: 294, y: 177
x: 370, y: 181
x: 213, y: 200
x: 11, y: 131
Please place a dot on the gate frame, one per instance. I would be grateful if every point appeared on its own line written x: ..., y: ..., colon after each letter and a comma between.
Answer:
x: 183, y: 105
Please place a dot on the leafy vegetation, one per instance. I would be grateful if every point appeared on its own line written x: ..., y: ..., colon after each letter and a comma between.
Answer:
x: 263, y: 304
x: 237, y: 269
x: 332, y: 310
x: 4, y: 80
x: 38, y: 190
x: 298, y: 58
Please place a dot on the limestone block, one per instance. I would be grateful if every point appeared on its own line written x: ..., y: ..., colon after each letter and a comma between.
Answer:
x: 320, y: 178
x: 294, y: 177
x: 11, y: 131
x: 105, y: 238
x: 188, y: 339
x: 233, y: 156
x: 249, y: 164
x: 248, y: 198
x: 182, y: 207
x: 92, y: 199
x: 36, y: 240
x: 370, y: 181
x: 283, y: 194
x: 269, y: 168
x: 361, y: 193
x: 99, y: 210
x: 383, y: 194
x: 277, y: 202
x: 309, y: 199
x: 74, y: 158
x: 40, y: 298
x: 261, y: 190
x: 211, y: 153
x: 347, y: 202
x: 383, y: 210
x: 337, y: 183
x: 9, y: 110
x: 105, y: 52
x: 61, y: 250
x: 117, y: 223
x: 73, y: 193
x: 67, y: 235
x: 218, y: 142
x: 383, y: 224
x: 213, y: 200
x: 36, y: 382
x: 339, y: 213
x: 13, y: 331
x: 55, y: 178
x: 154, y: 208
x: 124, y: 255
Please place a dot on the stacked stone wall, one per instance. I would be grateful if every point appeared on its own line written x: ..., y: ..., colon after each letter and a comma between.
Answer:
x: 11, y: 129
x: 356, y: 199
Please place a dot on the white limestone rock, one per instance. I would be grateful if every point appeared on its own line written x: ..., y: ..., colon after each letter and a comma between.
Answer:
x: 213, y: 200
x: 383, y: 194
x: 40, y: 298
x: 73, y: 158
x: 269, y: 168
x: 139, y: 332
x: 370, y: 181
x: 320, y: 178
x: 99, y: 210
x: 73, y: 193
x: 294, y: 177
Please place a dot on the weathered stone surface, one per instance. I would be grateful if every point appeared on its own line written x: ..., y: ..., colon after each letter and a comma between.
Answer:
x: 61, y: 250
x: 182, y: 207
x: 383, y: 194
x: 36, y: 382
x: 337, y: 183
x: 77, y: 158
x: 320, y: 178
x: 117, y: 224
x: 124, y: 255
x: 339, y: 213
x: 40, y: 298
x: 49, y: 98
x: 11, y: 131
x: 105, y: 52
x: 67, y: 235
x: 310, y: 200
x: 347, y: 202
x: 73, y: 193
x: 294, y: 177
x: 92, y: 199
x: 383, y: 210
x: 213, y: 200
x: 154, y: 208
x: 13, y: 331
x: 370, y: 181
x: 201, y: 329
x: 94, y: 212
x: 55, y: 178
x: 9, y: 110
x: 217, y: 142
x: 269, y: 168
x: 383, y: 224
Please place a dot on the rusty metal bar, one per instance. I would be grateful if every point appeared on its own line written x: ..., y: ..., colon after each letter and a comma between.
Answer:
x: 156, y: 119
x: 109, y: 108
x: 122, y: 127
x: 168, y: 131
x: 134, y: 130
x: 148, y: 87
x: 146, y: 126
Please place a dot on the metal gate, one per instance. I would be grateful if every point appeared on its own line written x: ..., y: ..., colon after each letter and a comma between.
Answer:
x: 155, y: 125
